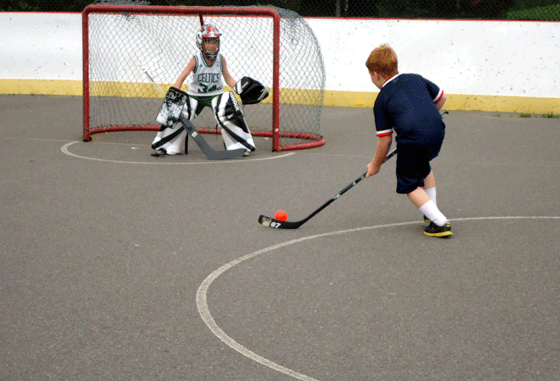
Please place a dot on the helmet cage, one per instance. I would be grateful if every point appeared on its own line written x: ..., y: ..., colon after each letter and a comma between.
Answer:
x: 208, y: 31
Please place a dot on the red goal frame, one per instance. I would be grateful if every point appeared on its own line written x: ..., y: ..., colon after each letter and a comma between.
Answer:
x: 275, y: 132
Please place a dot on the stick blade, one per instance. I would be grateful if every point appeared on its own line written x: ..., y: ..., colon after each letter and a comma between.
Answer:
x: 277, y: 224
x: 206, y: 149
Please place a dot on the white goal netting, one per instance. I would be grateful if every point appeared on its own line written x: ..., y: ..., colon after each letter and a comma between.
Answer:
x: 133, y: 54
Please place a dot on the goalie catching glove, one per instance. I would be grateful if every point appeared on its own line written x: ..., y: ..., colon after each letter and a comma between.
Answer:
x: 250, y: 90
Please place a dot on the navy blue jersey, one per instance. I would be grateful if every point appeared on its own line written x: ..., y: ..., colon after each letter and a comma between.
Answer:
x: 406, y: 104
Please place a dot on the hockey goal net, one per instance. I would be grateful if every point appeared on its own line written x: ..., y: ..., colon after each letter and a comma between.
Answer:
x: 133, y: 53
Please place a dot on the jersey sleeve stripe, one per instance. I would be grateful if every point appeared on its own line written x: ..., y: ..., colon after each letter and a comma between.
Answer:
x: 439, y: 96
x: 384, y: 132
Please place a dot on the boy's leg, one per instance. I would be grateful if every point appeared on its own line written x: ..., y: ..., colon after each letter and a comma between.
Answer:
x: 439, y: 224
x: 422, y: 201
x: 413, y: 176
x: 430, y: 180
x: 430, y: 188
x: 418, y: 197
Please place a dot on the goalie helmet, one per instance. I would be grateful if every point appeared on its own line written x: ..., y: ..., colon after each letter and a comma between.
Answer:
x: 208, y: 31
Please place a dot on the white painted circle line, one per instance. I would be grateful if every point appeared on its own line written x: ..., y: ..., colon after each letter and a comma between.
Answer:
x: 65, y: 150
x: 204, y: 311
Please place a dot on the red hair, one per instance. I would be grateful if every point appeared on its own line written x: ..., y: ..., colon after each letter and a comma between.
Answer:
x: 383, y: 61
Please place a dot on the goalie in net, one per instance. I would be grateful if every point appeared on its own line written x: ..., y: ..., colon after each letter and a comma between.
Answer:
x: 206, y: 89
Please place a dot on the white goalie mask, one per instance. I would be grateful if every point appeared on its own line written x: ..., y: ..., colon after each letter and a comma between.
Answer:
x: 206, y: 32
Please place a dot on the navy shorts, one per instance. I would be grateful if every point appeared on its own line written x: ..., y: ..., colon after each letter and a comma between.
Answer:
x: 413, y: 164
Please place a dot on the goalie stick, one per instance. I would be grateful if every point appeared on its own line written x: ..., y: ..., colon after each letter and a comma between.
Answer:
x: 208, y: 151
x: 277, y: 224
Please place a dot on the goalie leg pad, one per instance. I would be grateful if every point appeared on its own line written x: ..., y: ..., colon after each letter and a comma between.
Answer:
x: 171, y: 138
x: 189, y: 110
x: 230, y: 118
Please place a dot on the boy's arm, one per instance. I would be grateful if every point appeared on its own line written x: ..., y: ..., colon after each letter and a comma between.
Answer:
x: 383, y: 147
x: 185, y: 73
x: 227, y: 76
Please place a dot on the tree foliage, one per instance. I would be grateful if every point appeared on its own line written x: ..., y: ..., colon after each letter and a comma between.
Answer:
x: 439, y: 9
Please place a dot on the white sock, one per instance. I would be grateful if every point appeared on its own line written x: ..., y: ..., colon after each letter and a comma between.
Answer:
x: 432, y: 193
x: 431, y: 211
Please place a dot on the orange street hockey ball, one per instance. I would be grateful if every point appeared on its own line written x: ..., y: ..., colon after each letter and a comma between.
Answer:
x: 281, y: 215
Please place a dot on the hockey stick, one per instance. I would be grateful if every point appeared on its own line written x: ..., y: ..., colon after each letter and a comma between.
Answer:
x: 277, y: 224
x: 208, y: 151
x: 151, y: 79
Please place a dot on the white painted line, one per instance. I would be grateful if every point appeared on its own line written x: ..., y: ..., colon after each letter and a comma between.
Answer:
x: 65, y: 150
x: 204, y: 311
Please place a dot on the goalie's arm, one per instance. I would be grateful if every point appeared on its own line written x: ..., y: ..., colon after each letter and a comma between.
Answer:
x: 190, y: 67
x: 227, y: 76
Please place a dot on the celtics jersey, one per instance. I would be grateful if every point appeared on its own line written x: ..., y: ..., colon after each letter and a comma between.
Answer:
x: 207, y: 80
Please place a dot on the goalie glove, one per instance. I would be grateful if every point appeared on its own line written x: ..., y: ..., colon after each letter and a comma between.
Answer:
x: 250, y: 90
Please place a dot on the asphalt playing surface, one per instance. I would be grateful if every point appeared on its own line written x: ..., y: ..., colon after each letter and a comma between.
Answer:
x: 116, y: 265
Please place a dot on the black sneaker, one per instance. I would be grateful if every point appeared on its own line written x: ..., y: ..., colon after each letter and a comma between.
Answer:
x: 427, y: 220
x: 434, y: 230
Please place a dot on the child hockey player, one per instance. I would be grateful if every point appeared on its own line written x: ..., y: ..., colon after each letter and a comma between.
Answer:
x: 409, y: 105
x: 206, y: 90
